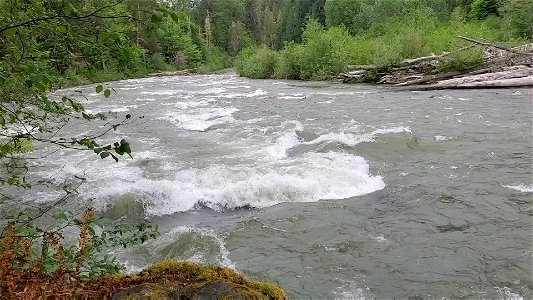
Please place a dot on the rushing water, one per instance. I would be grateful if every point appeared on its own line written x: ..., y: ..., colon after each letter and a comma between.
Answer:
x: 329, y: 190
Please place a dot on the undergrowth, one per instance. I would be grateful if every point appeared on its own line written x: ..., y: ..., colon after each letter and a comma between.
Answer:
x: 327, y: 52
x: 37, y: 263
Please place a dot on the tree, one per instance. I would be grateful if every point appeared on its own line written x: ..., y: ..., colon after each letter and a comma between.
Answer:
x: 519, y: 15
x: 480, y: 9
x: 43, y: 44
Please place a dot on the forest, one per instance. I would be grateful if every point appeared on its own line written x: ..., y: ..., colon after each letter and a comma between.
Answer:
x: 72, y: 41
x: 47, y: 45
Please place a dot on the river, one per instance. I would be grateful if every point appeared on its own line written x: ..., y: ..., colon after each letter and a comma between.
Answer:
x: 329, y: 190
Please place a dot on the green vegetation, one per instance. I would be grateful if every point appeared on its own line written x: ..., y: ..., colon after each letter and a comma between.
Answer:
x: 385, y: 32
x: 45, y: 45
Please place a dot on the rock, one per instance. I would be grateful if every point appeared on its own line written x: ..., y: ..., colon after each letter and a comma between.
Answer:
x: 202, y: 291
x: 191, y: 281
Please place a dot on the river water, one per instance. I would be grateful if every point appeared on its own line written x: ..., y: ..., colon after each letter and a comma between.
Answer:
x: 329, y: 190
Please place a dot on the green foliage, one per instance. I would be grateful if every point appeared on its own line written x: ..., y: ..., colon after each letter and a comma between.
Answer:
x: 256, y: 62
x: 518, y: 14
x: 480, y: 9
x: 325, y: 51
x: 28, y: 248
x: 288, y: 66
x: 215, y: 59
x: 461, y: 61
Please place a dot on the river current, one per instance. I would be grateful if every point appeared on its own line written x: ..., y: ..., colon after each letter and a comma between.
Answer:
x: 329, y: 190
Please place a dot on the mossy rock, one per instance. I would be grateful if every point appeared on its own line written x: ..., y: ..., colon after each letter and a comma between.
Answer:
x: 185, y: 280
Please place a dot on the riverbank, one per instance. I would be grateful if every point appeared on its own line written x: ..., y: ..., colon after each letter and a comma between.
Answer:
x: 500, y: 67
x: 165, y: 280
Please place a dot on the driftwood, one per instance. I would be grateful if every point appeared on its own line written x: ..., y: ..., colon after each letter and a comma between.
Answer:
x: 502, y: 67
x: 171, y: 73
x: 483, y: 43
x: 501, y: 83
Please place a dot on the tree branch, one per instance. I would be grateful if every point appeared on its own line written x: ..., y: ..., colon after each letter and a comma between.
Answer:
x: 62, y: 16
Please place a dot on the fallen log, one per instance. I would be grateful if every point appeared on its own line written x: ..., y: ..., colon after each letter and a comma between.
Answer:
x: 501, y: 83
x: 171, y: 73
x: 510, y: 73
x: 487, y: 44
x: 429, y: 78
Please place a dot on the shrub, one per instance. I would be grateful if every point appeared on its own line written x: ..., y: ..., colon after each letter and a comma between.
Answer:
x: 214, y: 59
x: 518, y: 14
x: 257, y: 62
x: 461, y: 61
x: 288, y: 66
x: 324, y: 52
x: 480, y: 9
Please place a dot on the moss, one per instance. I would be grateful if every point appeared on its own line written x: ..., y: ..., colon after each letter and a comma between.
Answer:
x: 200, y: 276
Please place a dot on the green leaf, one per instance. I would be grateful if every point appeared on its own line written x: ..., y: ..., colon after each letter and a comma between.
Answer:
x: 85, y: 116
x: 2, y: 121
x: 40, y: 87
x: 2, y: 79
x: 157, y: 17
x: 107, y: 93
x: 104, y: 154
x: 99, y: 88
x: 175, y: 17
x: 71, y: 10
x: 61, y: 216
x: 50, y: 266
x: 23, y: 231
x: 160, y: 33
x: 10, y: 32
x: 91, y: 230
x: 62, y: 28
x: 36, y: 78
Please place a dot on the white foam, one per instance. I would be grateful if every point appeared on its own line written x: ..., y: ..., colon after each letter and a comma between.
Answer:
x: 521, y: 188
x: 191, y: 104
x: 440, y: 138
x: 282, y: 145
x: 161, y: 93
x: 163, y: 248
x: 201, y: 119
x: 506, y: 294
x: 311, y: 177
x: 353, y: 291
x: 285, y: 142
x: 256, y: 93
x: 291, y: 97
x: 351, y: 139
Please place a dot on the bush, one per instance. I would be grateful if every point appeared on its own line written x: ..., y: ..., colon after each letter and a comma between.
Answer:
x: 288, y: 66
x: 461, y: 61
x: 256, y: 62
x: 157, y: 62
x: 324, y: 53
x: 480, y: 9
x: 215, y: 59
x: 518, y: 14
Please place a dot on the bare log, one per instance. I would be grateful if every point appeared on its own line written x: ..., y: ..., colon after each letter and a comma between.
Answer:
x: 502, y: 83
x: 430, y: 78
x: 488, y: 44
x: 510, y: 73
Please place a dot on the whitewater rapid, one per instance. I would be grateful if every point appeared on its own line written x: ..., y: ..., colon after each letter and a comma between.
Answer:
x: 330, y: 190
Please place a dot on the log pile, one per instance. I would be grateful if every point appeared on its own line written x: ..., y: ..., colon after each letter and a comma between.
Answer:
x: 501, y: 67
